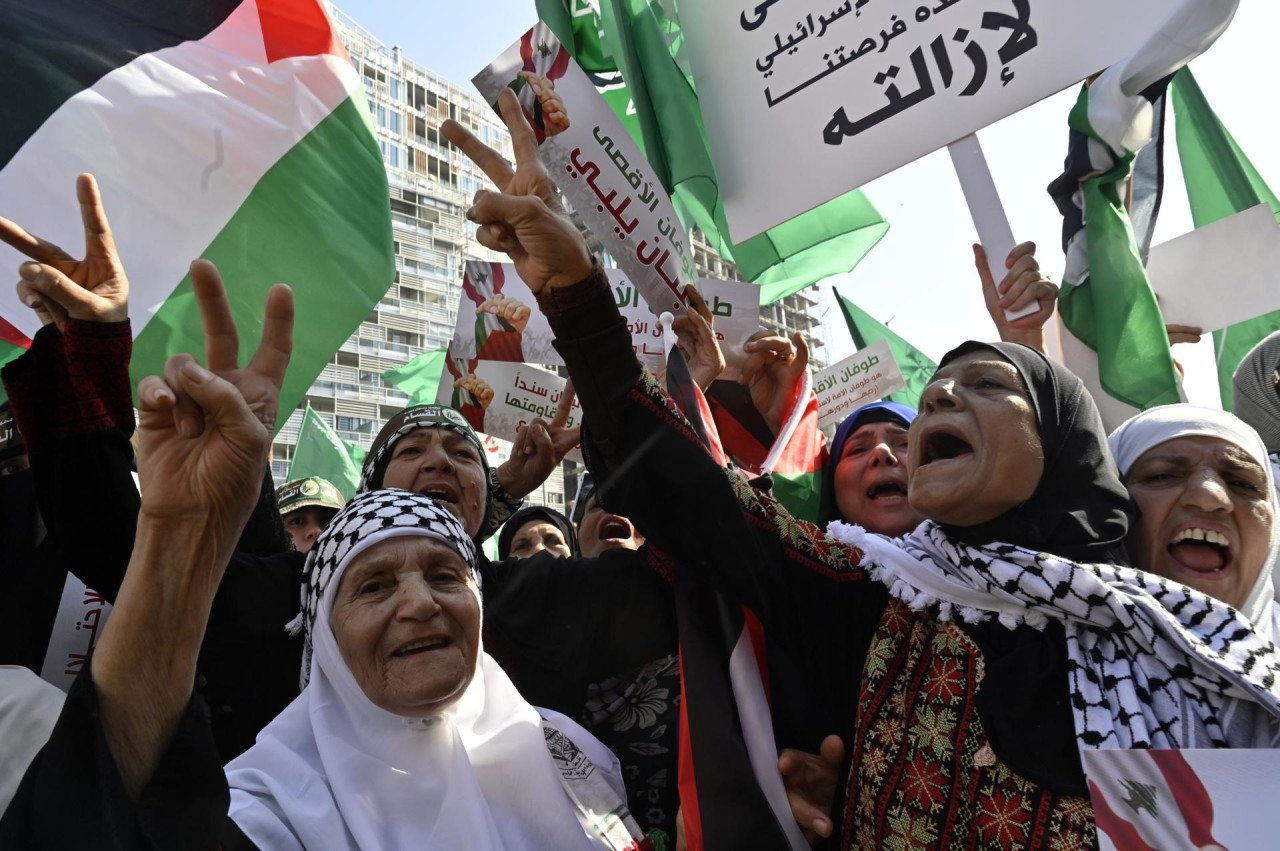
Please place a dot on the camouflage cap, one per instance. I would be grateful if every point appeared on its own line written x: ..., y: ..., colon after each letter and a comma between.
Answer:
x: 302, y: 493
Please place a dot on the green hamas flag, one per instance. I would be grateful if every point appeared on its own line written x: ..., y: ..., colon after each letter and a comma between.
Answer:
x: 644, y: 39
x: 916, y: 368
x: 419, y: 378
x: 1220, y: 183
x: 577, y: 26
x: 321, y: 453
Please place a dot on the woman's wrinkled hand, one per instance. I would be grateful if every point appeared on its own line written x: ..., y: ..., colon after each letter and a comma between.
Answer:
x: 524, y: 219
x: 56, y: 285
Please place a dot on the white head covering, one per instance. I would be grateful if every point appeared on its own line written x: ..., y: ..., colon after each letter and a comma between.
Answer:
x: 1158, y: 425
x: 334, y: 771
x: 1256, y: 400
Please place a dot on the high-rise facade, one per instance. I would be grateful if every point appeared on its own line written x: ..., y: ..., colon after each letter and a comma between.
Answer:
x: 431, y: 184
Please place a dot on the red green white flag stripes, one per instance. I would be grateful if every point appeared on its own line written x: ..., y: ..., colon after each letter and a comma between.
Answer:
x: 250, y: 146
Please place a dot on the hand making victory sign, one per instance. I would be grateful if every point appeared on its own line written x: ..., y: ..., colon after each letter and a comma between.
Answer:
x: 56, y: 285
x: 524, y: 219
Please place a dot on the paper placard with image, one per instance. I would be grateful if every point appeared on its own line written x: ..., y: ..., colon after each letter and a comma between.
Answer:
x: 596, y: 165
x: 1183, y: 799
x: 803, y: 102
x: 498, y: 318
x: 498, y: 397
x: 866, y: 376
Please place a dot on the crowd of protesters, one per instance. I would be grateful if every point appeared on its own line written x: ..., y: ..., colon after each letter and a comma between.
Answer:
x: 998, y: 585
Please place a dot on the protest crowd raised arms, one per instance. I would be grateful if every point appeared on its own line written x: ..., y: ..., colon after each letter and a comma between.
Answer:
x: 405, y: 464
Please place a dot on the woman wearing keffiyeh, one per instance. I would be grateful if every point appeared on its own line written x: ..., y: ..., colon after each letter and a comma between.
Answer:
x: 975, y: 656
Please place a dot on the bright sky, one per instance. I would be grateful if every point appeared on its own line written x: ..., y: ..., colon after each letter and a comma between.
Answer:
x: 920, y: 279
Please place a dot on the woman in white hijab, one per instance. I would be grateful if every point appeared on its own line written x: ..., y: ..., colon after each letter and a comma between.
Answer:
x: 407, y: 734
x: 1203, y: 483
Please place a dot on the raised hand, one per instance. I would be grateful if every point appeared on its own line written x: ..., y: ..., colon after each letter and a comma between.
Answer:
x: 202, y: 444
x: 258, y: 383
x: 773, y: 369
x: 555, y: 118
x: 810, y: 781
x: 538, y: 448
x: 524, y: 219
x: 56, y: 285
x: 696, y: 336
x: 1023, y: 285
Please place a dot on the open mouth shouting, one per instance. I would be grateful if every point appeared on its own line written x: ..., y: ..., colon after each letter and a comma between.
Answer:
x: 443, y: 493
x: 888, y: 491
x: 944, y: 444
x: 1200, y: 549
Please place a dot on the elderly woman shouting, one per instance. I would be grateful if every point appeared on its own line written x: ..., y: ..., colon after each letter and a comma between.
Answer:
x: 407, y: 735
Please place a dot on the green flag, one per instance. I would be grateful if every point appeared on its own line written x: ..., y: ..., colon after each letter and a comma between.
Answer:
x: 916, y: 368
x: 419, y: 378
x: 1220, y: 183
x: 1107, y: 302
x: 644, y: 38
x: 321, y: 453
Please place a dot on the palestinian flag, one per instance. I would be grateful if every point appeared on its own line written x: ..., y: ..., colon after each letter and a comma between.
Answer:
x: 917, y: 368
x: 795, y: 460
x: 234, y: 131
x: 731, y: 793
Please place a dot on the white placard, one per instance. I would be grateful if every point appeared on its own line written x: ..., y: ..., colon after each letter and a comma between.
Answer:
x: 598, y: 167
x: 82, y: 613
x: 1189, y: 799
x: 498, y: 397
x: 1220, y: 274
x: 735, y: 306
x: 866, y: 376
x: 803, y: 102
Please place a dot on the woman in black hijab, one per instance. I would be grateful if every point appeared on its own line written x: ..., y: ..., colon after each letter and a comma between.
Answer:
x: 550, y: 521
x: 954, y: 652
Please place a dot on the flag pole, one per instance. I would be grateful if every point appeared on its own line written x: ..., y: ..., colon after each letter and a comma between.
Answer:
x: 987, y: 211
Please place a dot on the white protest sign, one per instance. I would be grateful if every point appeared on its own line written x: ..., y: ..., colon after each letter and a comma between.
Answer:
x: 803, y: 102
x: 82, y: 613
x: 866, y: 376
x: 1220, y: 274
x: 498, y: 397
x: 512, y: 328
x: 1187, y: 799
x: 597, y: 166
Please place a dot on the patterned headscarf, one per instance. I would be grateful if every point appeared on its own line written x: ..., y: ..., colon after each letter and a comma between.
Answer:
x: 369, y: 518
x: 411, y: 418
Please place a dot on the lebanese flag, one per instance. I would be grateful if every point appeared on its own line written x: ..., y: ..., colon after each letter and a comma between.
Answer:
x: 1144, y: 800
x: 234, y: 131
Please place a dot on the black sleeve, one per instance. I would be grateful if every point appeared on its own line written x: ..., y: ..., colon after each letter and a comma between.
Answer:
x: 265, y: 534
x: 558, y: 624
x: 72, y: 795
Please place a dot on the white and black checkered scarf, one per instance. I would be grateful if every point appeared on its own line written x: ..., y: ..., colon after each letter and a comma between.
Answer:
x: 360, y: 522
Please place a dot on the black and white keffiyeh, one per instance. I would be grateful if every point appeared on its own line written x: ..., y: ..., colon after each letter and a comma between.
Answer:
x: 1152, y: 663
x: 366, y: 520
